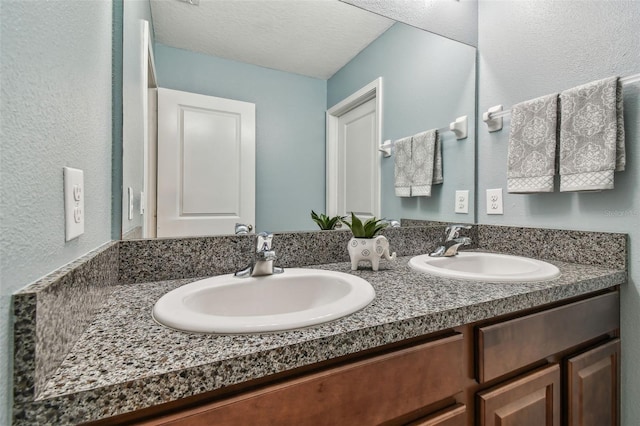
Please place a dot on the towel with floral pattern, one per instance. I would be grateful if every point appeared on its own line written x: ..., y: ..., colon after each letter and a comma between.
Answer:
x: 426, y: 158
x: 403, y: 170
x: 591, y: 136
x: 532, y: 145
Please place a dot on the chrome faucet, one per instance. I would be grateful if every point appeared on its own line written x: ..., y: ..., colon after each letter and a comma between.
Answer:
x: 452, y: 241
x: 264, y: 257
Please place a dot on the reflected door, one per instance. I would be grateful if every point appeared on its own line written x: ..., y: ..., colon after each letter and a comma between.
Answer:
x: 358, y: 161
x: 206, y: 164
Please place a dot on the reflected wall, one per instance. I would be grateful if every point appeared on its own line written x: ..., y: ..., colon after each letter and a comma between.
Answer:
x: 426, y: 84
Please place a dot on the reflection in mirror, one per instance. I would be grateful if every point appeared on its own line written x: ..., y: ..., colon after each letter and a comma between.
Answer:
x: 428, y: 81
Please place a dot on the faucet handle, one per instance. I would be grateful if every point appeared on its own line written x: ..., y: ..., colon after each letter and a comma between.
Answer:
x: 264, y: 242
x: 453, y: 231
x: 243, y: 229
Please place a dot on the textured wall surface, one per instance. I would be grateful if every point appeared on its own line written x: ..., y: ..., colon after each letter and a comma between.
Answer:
x: 290, y: 127
x: 428, y: 81
x: 55, y: 111
x: 457, y: 20
x: 532, y: 48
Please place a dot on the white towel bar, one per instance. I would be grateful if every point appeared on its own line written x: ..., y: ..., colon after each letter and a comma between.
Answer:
x: 458, y: 127
x: 493, y: 116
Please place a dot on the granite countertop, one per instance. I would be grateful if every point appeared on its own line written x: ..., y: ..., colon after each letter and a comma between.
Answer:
x: 125, y: 361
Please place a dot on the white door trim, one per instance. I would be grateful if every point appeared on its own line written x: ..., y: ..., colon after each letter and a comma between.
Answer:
x: 368, y: 92
x: 149, y: 82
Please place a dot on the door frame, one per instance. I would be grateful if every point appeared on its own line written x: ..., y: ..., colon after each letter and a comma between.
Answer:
x: 150, y: 156
x: 365, y: 94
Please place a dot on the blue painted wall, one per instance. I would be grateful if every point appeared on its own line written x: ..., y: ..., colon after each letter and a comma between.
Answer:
x: 290, y: 123
x: 532, y: 48
x: 55, y: 111
x: 427, y: 83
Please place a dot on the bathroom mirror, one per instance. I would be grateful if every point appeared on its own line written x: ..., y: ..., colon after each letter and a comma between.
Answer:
x: 428, y: 81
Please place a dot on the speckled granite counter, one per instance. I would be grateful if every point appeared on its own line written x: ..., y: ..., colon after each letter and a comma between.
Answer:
x: 124, y: 361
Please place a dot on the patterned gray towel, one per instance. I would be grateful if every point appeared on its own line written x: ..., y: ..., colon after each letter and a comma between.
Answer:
x: 403, y: 169
x: 427, y: 162
x: 532, y: 145
x: 591, y: 136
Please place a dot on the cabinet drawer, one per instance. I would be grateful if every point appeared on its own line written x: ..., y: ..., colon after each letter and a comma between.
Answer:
x: 365, y: 392
x: 513, y: 344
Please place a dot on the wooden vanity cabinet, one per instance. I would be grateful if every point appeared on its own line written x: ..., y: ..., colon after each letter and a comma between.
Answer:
x: 578, y: 382
x: 543, y: 367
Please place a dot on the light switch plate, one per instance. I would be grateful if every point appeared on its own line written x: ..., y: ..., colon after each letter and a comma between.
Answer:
x: 494, y: 201
x: 73, y: 202
x: 130, y: 203
x: 462, y: 202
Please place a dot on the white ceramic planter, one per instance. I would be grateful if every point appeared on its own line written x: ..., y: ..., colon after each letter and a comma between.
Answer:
x: 369, y: 249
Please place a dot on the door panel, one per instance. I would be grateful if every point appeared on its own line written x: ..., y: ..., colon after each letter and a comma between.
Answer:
x: 206, y: 164
x: 530, y: 400
x: 593, y: 386
x: 358, y: 161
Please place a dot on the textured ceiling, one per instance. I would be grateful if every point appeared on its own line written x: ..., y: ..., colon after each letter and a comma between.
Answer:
x: 309, y: 37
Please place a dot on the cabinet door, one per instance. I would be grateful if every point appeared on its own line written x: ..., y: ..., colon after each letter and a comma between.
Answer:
x: 530, y: 400
x: 453, y: 416
x: 593, y: 383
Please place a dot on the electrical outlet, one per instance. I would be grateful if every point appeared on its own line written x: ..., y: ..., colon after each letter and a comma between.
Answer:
x: 462, y: 202
x: 73, y: 202
x: 494, y: 201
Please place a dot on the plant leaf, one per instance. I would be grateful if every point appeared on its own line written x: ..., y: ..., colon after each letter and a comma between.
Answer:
x: 356, y: 227
x: 324, y: 221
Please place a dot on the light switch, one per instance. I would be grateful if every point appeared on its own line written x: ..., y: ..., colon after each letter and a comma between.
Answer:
x: 73, y: 202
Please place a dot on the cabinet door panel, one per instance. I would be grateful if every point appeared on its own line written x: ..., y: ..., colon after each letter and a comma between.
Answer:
x: 530, y: 400
x: 367, y: 392
x: 454, y: 416
x: 593, y: 383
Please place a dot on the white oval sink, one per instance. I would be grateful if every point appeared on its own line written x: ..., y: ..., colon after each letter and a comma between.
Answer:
x: 296, y: 298
x: 479, y: 266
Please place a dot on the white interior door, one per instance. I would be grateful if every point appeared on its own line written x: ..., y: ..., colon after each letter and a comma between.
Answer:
x: 357, y: 161
x: 354, y: 128
x: 206, y: 164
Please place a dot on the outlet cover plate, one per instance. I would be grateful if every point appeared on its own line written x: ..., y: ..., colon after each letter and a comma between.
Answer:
x: 494, y: 201
x: 73, y: 202
x: 462, y: 201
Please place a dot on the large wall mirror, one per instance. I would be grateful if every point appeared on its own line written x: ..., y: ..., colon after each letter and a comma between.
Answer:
x: 271, y: 54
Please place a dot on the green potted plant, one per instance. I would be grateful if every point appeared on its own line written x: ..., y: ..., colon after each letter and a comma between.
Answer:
x: 325, y: 222
x: 364, y: 245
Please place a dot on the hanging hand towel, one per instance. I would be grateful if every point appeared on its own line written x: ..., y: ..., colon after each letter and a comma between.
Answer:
x: 591, y: 136
x: 426, y: 157
x: 403, y: 169
x: 532, y: 145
